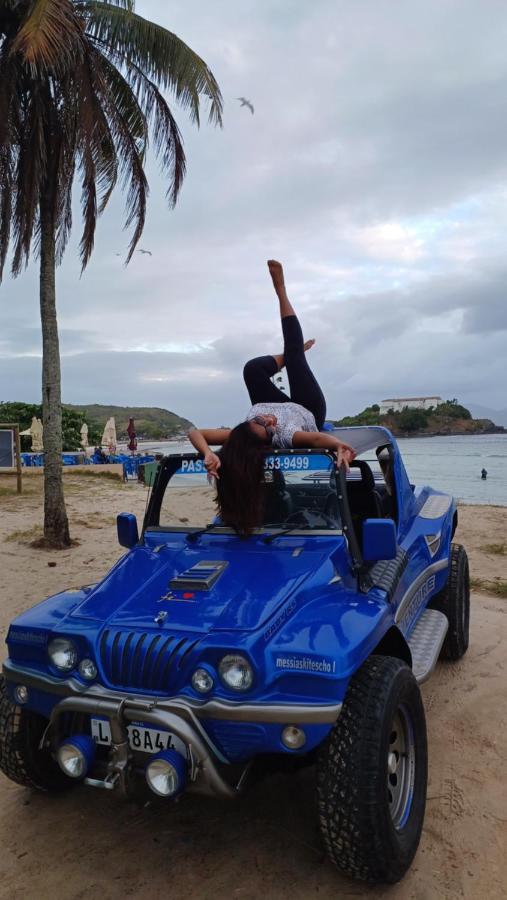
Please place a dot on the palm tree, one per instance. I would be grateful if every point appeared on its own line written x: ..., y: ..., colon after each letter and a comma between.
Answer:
x: 80, y: 93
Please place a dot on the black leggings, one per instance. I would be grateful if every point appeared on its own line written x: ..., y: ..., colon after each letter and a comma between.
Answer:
x: 304, y: 388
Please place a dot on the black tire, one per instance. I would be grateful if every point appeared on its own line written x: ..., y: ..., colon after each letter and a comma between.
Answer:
x: 20, y: 757
x: 454, y: 601
x: 370, y: 823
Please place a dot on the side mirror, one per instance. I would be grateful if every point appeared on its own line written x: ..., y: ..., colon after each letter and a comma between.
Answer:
x: 379, y: 539
x: 128, y: 535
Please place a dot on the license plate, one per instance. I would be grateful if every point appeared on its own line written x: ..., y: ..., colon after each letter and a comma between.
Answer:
x: 141, y: 738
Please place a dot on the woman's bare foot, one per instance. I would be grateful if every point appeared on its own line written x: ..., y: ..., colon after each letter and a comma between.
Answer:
x: 280, y: 359
x: 276, y: 272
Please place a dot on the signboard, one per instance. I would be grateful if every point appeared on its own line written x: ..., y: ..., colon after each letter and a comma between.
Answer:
x: 7, y: 454
x: 10, y: 450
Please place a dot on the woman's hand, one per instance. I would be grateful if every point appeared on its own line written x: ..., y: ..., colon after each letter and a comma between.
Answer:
x: 344, y: 454
x: 212, y: 463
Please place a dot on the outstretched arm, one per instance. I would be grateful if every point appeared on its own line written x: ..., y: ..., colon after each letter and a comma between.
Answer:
x: 344, y: 452
x: 202, y: 440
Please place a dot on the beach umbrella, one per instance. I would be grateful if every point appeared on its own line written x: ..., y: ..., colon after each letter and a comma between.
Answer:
x: 131, y: 431
x: 109, y: 435
x: 36, y: 432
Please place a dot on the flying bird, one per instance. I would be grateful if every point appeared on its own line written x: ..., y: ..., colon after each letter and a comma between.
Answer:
x: 145, y: 251
x: 245, y: 102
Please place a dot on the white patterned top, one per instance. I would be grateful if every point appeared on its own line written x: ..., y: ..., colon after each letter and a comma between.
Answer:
x: 291, y: 417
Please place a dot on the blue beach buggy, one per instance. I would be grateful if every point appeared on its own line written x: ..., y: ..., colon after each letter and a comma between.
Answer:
x: 202, y: 657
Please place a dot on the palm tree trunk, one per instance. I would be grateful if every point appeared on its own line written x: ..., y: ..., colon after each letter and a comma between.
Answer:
x: 56, y: 525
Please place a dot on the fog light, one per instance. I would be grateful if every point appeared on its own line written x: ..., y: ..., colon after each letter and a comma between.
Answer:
x: 21, y: 694
x: 166, y: 773
x: 75, y: 756
x: 293, y: 738
x: 87, y: 669
x: 202, y: 681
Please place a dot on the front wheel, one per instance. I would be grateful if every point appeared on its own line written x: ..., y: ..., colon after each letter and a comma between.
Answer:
x: 372, y: 774
x: 20, y: 757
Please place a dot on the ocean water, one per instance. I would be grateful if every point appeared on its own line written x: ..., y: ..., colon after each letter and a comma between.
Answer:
x: 453, y: 464
x: 450, y: 464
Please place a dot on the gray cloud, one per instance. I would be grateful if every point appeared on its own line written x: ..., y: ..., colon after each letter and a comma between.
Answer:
x: 375, y: 166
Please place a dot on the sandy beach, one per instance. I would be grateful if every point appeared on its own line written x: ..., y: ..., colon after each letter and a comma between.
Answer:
x: 87, y: 843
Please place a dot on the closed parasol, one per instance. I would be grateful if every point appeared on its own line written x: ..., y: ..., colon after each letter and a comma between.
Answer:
x: 131, y: 431
x: 109, y: 436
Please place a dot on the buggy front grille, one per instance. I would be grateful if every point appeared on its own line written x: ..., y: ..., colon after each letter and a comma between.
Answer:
x: 147, y: 661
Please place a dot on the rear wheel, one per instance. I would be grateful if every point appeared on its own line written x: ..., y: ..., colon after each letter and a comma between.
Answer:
x: 372, y: 773
x: 20, y: 758
x: 454, y: 601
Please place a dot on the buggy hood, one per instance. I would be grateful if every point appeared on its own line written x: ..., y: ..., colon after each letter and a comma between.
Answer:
x: 221, y: 585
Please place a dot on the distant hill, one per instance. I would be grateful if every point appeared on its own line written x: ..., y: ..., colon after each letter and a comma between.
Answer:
x: 152, y: 423
x: 447, y: 418
x: 485, y: 412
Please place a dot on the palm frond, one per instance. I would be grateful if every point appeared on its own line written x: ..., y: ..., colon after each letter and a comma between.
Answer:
x: 6, y: 196
x: 168, y: 143
x: 123, y: 4
x: 81, y: 86
x: 50, y: 38
x: 129, y: 130
x: 31, y: 177
x: 160, y: 54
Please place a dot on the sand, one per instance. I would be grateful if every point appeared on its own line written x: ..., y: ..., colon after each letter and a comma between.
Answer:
x: 90, y: 844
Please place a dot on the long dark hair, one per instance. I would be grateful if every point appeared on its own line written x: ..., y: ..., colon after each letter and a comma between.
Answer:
x: 240, y: 488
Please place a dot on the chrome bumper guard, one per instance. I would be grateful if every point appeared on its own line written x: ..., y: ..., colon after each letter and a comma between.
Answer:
x: 175, y: 714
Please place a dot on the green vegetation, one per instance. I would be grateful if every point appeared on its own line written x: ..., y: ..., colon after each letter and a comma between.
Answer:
x: 23, y: 413
x: 412, y: 419
x: 495, y: 549
x: 152, y: 423
x: 25, y: 536
x: 453, y: 410
x: 449, y: 417
x: 369, y: 416
x: 497, y: 587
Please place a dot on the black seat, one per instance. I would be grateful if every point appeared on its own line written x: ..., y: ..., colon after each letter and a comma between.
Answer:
x: 364, y: 500
x: 277, y: 501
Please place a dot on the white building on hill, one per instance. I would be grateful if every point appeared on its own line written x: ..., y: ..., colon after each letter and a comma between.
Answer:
x: 399, y: 403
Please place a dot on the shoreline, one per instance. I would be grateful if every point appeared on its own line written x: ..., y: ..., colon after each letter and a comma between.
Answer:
x: 434, y: 434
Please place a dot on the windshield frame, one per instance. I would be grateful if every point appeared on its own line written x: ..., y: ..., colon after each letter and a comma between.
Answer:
x: 170, y: 465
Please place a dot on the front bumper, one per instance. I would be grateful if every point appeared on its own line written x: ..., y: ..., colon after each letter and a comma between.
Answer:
x: 210, y: 771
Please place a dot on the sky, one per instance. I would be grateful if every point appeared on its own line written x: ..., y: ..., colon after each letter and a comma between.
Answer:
x: 374, y: 168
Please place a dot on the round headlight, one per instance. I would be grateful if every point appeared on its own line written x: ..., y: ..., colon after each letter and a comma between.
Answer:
x: 202, y: 681
x: 75, y: 756
x: 166, y: 773
x: 236, y: 672
x: 63, y: 654
x: 87, y: 669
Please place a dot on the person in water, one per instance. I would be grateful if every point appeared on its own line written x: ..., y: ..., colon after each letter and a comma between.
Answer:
x: 484, y: 474
x: 274, y: 420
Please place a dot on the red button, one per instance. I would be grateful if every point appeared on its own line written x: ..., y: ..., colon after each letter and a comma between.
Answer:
x: 187, y: 596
